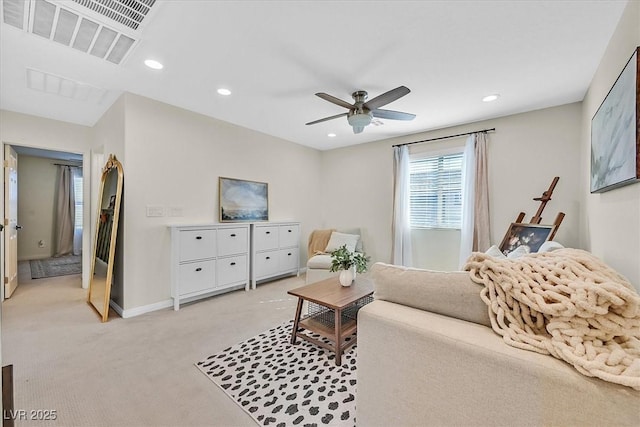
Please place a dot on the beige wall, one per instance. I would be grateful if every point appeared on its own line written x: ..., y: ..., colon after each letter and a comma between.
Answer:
x: 524, y: 154
x: 173, y: 158
x: 611, y: 226
x: 37, y: 181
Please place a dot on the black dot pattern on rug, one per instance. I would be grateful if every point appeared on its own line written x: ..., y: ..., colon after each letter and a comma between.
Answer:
x: 280, y: 384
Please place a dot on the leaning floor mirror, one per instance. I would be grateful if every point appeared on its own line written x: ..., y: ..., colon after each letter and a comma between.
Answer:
x: 106, y: 233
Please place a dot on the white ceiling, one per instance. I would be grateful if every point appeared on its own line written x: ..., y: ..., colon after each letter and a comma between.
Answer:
x: 274, y: 55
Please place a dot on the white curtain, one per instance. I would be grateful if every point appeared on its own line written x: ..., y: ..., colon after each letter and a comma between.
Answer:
x: 468, y: 192
x: 65, y: 210
x: 401, y: 251
x: 475, y: 232
x: 76, y: 176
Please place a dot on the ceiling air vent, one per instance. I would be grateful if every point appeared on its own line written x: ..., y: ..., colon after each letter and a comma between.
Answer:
x: 13, y: 13
x: 126, y: 12
x: 61, y: 86
x: 83, y: 31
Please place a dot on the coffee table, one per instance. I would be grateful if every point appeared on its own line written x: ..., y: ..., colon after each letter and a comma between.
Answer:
x: 332, y: 314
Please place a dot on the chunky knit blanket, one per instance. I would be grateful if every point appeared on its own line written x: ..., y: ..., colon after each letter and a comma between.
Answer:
x: 566, y: 303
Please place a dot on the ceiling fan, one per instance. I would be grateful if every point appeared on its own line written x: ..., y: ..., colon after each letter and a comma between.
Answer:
x: 362, y: 111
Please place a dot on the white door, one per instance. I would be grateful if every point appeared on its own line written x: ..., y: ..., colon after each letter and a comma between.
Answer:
x: 10, y: 220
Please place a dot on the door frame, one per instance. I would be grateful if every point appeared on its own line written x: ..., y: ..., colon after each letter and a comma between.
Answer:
x: 86, y: 208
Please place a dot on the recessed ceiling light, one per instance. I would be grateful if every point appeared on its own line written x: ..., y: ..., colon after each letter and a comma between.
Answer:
x: 331, y: 135
x: 223, y: 91
x: 153, y: 64
x: 490, y: 98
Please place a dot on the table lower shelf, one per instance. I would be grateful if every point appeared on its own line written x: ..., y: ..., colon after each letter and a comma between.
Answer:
x: 313, y: 324
x: 326, y: 330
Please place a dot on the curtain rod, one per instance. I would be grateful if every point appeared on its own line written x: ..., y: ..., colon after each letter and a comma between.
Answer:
x: 66, y: 164
x: 445, y: 137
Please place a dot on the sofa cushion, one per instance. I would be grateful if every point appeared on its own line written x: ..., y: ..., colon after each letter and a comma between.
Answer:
x: 321, y: 261
x: 340, y: 239
x: 451, y: 294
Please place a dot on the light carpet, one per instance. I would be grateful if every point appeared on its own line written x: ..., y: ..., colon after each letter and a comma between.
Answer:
x: 281, y: 384
x: 52, y: 267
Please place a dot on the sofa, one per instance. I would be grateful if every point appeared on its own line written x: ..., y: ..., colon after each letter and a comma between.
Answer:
x: 320, y: 245
x: 427, y: 356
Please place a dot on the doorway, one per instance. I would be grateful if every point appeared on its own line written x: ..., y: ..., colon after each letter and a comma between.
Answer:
x: 50, y: 215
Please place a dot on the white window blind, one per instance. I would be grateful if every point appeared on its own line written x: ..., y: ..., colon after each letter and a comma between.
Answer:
x: 436, y: 191
x: 77, y: 194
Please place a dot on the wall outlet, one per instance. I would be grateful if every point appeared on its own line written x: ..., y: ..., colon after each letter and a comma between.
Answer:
x: 155, y: 211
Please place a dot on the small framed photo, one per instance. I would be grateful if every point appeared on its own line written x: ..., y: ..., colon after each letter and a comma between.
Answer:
x: 243, y: 201
x: 530, y: 235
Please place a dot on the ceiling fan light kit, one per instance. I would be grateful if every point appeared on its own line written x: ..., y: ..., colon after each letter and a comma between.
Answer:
x: 360, y: 119
x: 361, y: 112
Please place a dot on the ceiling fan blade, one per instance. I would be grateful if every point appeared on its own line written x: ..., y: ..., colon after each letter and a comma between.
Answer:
x: 386, y: 98
x: 358, y: 129
x: 393, y: 115
x: 327, y: 118
x: 334, y: 100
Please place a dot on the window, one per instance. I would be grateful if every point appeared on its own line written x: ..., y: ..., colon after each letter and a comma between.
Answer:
x: 77, y: 194
x: 436, y: 191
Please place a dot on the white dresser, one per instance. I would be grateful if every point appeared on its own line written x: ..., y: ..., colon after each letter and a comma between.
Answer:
x: 275, y: 250
x: 208, y: 259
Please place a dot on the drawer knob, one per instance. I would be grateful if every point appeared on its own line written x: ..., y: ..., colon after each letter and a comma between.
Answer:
x: 268, y: 232
x: 289, y: 254
x: 198, y: 237
x: 268, y: 257
x: 289, y: 231
x: 199, y: 269
x: 233, y: 263
x: 233, y: 235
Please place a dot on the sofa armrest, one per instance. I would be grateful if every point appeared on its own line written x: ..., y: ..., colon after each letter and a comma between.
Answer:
x: 451, y: 294
x: 417, y: 368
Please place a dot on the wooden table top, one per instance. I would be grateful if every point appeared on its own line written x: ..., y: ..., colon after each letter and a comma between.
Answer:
x: 330, y: 293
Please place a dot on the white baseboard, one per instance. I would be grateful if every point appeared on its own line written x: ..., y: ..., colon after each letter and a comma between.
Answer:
x: 137, y: 311
x: 116, y: 307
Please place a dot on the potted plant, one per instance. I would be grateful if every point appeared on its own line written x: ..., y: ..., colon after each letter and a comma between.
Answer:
x: 348, y: 264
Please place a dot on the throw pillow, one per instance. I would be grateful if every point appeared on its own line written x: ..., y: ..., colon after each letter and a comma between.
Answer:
x: 518, y: 252
x: 549, y: 246
x: 339, y: 239
x: 495, y: 252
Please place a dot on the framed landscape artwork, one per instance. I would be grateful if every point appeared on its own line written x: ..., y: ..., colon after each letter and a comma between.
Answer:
x: 242, y: 201
x: 530, y: 235
x: 615, y: 132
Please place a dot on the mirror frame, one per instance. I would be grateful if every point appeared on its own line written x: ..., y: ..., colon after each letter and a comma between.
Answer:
x: 112, y: 164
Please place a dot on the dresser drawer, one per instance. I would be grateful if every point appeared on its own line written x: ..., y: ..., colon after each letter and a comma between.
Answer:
x: 197, y: 244
x: 232, y: 270
x: 196, y: 276
x: 289, y: 235
x: 288, y: 259
x: 232, y: 241
x: 266, y: 264
x: 265, y: 238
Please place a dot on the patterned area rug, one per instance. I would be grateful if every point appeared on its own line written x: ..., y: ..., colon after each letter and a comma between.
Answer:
x: 280, y: 384
x: 51, y: 267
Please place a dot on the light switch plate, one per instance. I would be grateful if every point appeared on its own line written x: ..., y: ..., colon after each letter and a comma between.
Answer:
x: 155, y: 211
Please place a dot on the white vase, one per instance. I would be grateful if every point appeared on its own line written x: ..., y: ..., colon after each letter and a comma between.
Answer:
x: 347, y: 276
